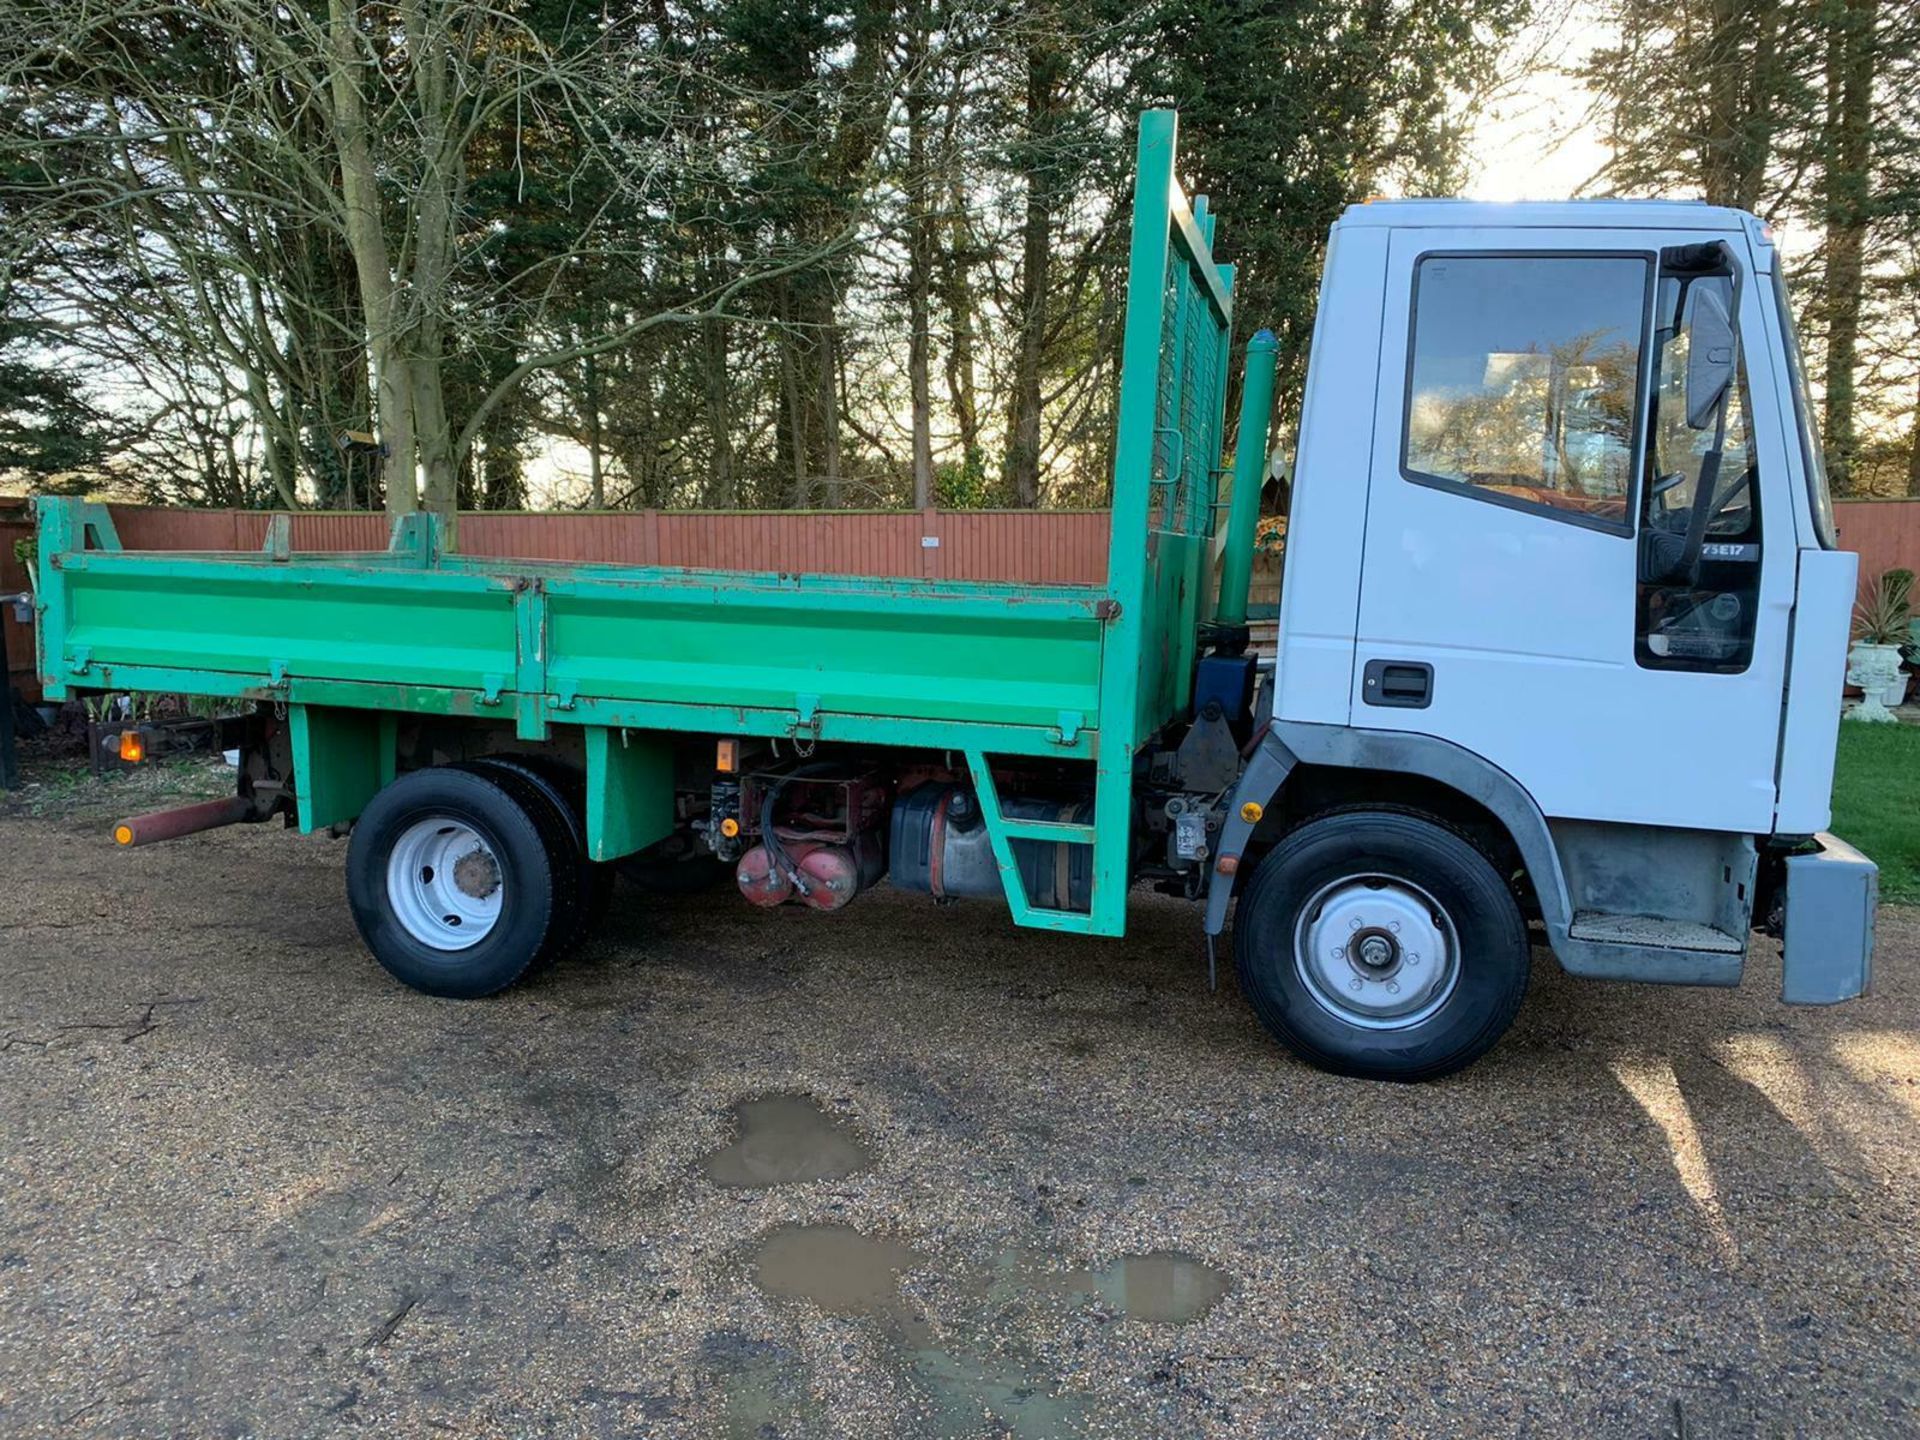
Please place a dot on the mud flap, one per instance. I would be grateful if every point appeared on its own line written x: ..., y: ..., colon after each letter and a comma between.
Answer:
x: 1832, y: 894
x: 1259, y: 783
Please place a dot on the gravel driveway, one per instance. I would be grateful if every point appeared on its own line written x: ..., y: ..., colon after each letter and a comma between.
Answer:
x: 902, y: 1171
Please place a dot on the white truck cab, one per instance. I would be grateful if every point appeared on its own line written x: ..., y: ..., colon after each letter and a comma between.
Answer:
x: 1561, y: 566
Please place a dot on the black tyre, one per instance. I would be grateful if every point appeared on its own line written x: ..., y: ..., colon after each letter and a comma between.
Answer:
x: 1381, y: 945
x: 558, y: 793
x: 452, y: 883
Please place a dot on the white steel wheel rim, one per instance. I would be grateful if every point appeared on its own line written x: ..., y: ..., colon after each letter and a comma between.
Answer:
x: 1376, y: 951
x: 445, y: 885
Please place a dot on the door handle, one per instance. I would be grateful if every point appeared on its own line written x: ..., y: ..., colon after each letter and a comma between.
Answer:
x: 1407, y: 684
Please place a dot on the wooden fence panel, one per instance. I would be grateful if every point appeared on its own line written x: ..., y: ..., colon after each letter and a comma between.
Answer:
x: 1041, y: 547
x: 1885, y: 532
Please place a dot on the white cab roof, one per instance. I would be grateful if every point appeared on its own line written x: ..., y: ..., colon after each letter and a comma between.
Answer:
x: 1585, y: 214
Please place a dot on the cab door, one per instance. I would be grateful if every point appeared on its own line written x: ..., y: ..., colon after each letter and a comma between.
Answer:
x: 1530, y: 430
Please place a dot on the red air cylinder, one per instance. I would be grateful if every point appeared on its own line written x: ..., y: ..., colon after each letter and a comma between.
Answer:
x: 760, y: 881
x: 830, y: 875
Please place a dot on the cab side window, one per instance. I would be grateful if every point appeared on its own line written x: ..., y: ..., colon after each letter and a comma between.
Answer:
x: 1679, y: 451
x: 1523, y: 381
x: 1697, y: 611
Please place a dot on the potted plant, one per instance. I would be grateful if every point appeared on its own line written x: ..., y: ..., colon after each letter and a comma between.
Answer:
x: 1880, y: 629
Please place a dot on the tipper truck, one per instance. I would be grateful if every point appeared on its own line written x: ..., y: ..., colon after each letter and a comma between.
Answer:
x: 1560, y: 656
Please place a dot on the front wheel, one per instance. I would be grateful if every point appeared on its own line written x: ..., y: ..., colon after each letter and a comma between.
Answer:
x: 452, y: 883
x: 1381, y: 945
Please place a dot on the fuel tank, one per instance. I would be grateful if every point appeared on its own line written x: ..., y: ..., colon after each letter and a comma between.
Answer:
x: 939, y: 845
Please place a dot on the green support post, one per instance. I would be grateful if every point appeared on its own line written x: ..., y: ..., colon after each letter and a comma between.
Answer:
x: 341, y: 759
x: 1249, y: 470
x: 629, y: 791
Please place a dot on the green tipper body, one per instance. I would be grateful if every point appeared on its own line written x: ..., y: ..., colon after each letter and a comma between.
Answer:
x: 352, y: 644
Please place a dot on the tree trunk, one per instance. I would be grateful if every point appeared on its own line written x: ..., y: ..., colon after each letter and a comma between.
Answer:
x: 719, y: 405
x: 1850, y: 68
x: 644, y: 467
x: 367, y: 240
x: 596, y: 469
x: 826, y: 359
x: 435, y: 200
x: 1036, y: 256
x: 1761, y: 116
x: 919, y: 267
x: 439, y: 489
x: 957, y: 288
x: 793, y: 407
x: 1741, y: 80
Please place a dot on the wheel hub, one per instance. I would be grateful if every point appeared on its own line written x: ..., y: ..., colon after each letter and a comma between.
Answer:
x: 445, y: 885
x: 1376, y: 951
x: 477, y: 874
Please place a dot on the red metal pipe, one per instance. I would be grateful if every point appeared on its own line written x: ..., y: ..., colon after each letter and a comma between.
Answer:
x: 187, y: 820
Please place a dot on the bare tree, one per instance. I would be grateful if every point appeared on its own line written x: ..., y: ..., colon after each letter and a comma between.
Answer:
x: 196, y: 165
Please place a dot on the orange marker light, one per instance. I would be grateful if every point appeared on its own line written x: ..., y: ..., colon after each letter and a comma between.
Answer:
x: 1252, y: 811
x: 132, y: 748
x: 123, y: 835
x: 726, y: 757
x: 729, y: 827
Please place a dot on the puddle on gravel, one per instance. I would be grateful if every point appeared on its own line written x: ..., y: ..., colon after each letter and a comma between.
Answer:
x: 846, y: 1272
x: 836, y: 1267
x: 786, y: 1140
x: 1163, y: 1287
x: 849, y: 1273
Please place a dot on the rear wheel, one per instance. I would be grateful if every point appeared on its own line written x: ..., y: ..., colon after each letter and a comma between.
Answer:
x: 1382, y: 945
x: 451, y: 883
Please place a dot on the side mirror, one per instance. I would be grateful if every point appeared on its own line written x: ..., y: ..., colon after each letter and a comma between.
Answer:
x: 1710, y: 354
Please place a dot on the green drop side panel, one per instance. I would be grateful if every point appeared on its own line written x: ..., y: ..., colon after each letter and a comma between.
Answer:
x: 994, y: 655
x: 341, y: 760
x: 629, y: 791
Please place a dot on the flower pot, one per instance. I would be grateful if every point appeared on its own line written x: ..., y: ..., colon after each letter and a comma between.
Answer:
x: 1876, y: 670
x: 1896, y: 691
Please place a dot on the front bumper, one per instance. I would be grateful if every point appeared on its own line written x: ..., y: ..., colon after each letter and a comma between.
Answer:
x: 1832, y: 894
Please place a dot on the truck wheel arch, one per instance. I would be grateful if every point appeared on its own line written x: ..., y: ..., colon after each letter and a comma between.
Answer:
x: 1291, y: 745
